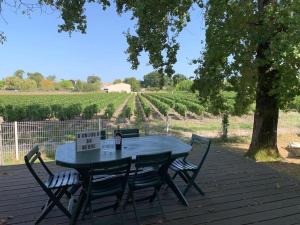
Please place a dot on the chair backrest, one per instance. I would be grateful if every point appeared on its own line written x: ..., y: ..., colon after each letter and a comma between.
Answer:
x: 30, y: 158
x: 205, y: 143
x: 120, y: 168
x: 129, y: 133
x: 158, y: 162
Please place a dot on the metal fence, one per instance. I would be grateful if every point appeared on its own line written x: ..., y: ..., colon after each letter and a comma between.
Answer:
x: 17, y: 138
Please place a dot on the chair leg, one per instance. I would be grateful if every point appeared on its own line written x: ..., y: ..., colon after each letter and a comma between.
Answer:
x: 191, y: 182
x: 198, y: 188
x: 86, y: 205
x: 134, y: 207
x: 153, y: 196
x: 184, y: 177
x: 121, y: 210
x: 45, y: 212
x: 160, y: 206
x: 60, y: 205
x: 127, y: 200
x: 173, y: 177
x: 51, y: 203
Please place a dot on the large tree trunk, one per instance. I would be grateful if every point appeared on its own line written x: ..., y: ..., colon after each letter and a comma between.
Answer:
x: 264, y: 136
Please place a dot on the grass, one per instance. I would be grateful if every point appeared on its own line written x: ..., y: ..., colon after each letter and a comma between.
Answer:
x: 264, y: 155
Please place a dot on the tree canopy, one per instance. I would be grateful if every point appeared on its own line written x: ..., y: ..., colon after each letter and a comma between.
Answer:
x: 176, y: 78
x: 134, y: 83
x: 37, y: 77
x: 93, y: 79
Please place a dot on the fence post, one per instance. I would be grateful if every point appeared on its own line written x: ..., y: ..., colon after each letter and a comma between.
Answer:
x: 16, y: 140
x: 99, y: 124
x: 1, y: 147
x: 168, y: 124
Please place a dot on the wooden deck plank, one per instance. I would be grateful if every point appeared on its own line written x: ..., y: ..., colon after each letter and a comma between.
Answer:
x: 238, y: 191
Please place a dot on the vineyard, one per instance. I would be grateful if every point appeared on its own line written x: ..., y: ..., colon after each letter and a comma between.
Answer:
x: 184, y: 109
x: 62, y: 107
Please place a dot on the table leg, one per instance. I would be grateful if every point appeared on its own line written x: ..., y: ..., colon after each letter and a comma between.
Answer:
x: 82, y: 196
x: 78, y: 208
x: 176, y: 190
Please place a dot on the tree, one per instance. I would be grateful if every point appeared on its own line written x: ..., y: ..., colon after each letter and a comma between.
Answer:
x: 256, y: 49
x: 184, y: 85
x: 93, y: 79
x: 154, y: 80
x: 134, y: 83
x: 2, y: 84
x: 28, y: 85
x: 19, y: 73
x: 66, y: 84
x: 178, y: 78
x: 37, y: 77
x: 86, y: 87
x: 13, y: 83
x: 254, y: 45
x: 51, y: 77
x: 117, y: 81
x: 90, y: 87
x: 47, y: 84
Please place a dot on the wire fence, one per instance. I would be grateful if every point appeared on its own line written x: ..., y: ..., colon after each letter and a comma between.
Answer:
x: 17, y: 138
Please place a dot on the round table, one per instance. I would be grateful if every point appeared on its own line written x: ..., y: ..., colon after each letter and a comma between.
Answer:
x: 67, y: 156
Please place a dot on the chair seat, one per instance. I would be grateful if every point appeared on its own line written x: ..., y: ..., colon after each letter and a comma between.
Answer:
x: 144, y: 179
x: 180, y: 165
x: 62, y: 179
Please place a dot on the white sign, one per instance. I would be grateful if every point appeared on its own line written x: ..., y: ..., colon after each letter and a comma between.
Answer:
x: 88, y: 140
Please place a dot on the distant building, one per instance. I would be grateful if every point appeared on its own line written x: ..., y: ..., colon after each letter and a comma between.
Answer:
x: 120, y: 87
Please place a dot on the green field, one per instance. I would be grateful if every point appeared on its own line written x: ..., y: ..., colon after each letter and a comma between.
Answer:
x: 62, y: 106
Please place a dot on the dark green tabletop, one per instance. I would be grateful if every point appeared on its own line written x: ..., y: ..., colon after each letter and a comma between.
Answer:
x: 67, y: 156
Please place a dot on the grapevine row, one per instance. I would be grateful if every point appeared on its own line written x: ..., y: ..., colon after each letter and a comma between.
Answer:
x: 161, y: 106
x: 145, y: 105
x: 178, y: 107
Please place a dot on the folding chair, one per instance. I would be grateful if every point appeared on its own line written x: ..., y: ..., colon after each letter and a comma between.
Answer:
x: 56, y: 186
x: 150, y: 172
x: 187, y: 170
x: 106, y: 179
x: 129, y: 133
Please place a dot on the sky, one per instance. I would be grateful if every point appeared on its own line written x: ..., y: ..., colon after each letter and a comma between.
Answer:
x: 34, y: 45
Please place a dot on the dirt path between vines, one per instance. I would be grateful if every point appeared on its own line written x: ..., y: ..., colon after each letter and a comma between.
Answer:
x: 156, y: 114
x: 120, y: 109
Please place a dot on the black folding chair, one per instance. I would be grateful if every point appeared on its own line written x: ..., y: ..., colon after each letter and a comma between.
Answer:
x: 56, y: 186
x: 187, y: 170
x: 107, y: 179
x: 129, y: 133
x: 150, y: 172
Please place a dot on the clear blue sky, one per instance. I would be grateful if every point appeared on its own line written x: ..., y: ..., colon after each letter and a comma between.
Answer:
x: 34, y: 45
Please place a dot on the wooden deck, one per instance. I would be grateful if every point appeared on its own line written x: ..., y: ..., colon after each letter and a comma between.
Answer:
x: 238, y: 191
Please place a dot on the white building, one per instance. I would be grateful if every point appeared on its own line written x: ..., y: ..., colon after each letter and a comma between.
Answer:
x: 120, y: 87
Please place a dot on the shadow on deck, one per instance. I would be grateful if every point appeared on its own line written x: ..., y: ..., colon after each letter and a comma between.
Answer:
x: 238, y: 191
